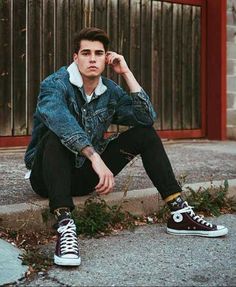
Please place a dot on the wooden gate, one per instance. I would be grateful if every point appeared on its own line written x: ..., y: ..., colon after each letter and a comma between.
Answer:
x: 162, y: 41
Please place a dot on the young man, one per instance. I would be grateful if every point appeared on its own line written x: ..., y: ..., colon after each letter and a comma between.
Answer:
x: 68, y: 155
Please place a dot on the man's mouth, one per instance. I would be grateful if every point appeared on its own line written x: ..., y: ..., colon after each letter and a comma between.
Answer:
x: 93, y: 67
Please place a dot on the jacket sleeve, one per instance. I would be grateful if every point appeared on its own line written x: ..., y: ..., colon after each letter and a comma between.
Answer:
x: 53, y: 112
x: 133, y: 109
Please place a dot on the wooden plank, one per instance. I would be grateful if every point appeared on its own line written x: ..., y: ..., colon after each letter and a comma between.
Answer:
x: 203, y: 69
x: 187, y: 67
x: 62, y: 56
x: 145, y: 43
x: 5, y: 68
x: 196, y: 83
x: 167, y: 31
x: 33, y: 58
x: 187, y: 2
x: 88, y: 13
x: 112, y: 30
x: 100, y: 18
x: 124, y: 39
x: 177, y: 67
x: 156, y: 51
x: 19, y: 67
x: 135, y: 39
x: 76, y: 18
x: 124, y: 33
x: 100, y: 14
x: 47, y: 31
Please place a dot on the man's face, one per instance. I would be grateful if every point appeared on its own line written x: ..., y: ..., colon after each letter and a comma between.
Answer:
x: 90, y: 58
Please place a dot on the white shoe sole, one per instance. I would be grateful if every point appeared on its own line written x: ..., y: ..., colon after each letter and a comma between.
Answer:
x: 215, y: 233
x: 67, y: 261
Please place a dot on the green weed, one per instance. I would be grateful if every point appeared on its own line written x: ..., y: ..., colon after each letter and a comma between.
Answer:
x: 98, y: 218
x: 211, y: 201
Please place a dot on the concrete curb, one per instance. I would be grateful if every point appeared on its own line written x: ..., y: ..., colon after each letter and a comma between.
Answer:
x: 35, y: 215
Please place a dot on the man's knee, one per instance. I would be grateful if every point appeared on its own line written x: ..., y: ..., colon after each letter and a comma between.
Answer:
x: 145, y: 132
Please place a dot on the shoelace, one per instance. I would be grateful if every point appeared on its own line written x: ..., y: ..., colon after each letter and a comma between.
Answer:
x: 189, y: 209
x: 68, y: 241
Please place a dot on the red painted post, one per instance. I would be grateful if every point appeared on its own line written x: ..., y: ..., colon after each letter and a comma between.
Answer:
x: 216, y: 69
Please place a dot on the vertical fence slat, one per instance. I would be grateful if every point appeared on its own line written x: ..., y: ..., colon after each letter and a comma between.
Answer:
x: 124, y: 40
x: 61, y: 37
x: 100, y: 14
x: 88, y: 13
x: 167, y: 66
x: 33, y: 65
x: 156, y: 60
x: 196, y: 84
x: 5, y: 68
x: 124, y: 33
x: 177, y: 67
x: 145, y: 42
x: 75, y: 21
x: 47, y: 30
x: 135, y: 39
x: 100, y: 18
x: 112, y: 30
x: 187, y: 66
x: 19, y: 67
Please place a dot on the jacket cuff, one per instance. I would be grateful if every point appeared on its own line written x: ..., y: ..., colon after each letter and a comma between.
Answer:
x: 76, y: 143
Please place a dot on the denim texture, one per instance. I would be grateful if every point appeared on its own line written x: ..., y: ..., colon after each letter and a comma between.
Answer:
x: 63, y: 109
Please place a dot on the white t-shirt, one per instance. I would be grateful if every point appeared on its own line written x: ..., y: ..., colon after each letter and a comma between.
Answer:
x: 89, y: 97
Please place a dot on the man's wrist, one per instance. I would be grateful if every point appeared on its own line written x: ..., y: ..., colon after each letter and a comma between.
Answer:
x: 131, y: 82
x: 90, y: 153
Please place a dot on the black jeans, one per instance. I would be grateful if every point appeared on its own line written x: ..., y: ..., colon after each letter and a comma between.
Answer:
x: 54, y: 175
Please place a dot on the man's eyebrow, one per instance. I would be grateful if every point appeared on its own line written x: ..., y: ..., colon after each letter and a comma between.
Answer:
x: 88, y: 50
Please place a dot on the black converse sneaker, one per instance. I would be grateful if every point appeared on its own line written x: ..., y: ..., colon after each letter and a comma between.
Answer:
x: 67, y: 247
x: 185, y: 222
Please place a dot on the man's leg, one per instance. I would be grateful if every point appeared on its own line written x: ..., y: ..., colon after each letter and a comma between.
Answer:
x: 51, y: 172
x: 145, y: 141
x: 51, y: 177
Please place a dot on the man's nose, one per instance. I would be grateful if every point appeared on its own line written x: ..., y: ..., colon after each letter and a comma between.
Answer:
x: 92, y: 58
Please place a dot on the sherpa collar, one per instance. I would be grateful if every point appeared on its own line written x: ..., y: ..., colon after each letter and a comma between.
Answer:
x: 76, y: 79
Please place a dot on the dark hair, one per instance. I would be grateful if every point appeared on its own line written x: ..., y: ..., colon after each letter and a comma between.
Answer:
x: 91, y: 34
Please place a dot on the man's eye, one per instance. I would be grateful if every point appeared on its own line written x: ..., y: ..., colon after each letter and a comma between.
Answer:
x: 85, y: 53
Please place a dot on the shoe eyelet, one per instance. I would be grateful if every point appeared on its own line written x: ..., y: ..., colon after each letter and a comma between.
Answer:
x: 178, y: 217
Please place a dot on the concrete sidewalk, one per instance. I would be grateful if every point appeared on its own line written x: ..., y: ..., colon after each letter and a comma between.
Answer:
x: 198, y: 161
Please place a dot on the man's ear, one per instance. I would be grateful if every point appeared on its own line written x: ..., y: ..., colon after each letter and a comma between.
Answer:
x: 75, y: 56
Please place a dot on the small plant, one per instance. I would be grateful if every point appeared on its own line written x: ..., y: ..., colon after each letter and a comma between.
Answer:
x: 209, y: 201
x: 37, y: 260
x: 212, y: 200
x: 98, y: 218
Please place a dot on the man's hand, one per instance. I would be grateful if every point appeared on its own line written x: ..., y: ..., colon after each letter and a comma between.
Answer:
x: 117, y: 62
x: 120, y: 66
x: 106, y: 177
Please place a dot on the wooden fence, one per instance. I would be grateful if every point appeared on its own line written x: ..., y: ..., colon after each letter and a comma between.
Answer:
x: 161, y: 42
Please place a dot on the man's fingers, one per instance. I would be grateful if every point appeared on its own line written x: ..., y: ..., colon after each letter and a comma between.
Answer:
x: 107, y: 186
x: 100, y: 183
x: 104, y: 186
x: 113, y: 58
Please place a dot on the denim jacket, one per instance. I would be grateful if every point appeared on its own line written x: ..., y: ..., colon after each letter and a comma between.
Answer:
x: 63, y: 108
